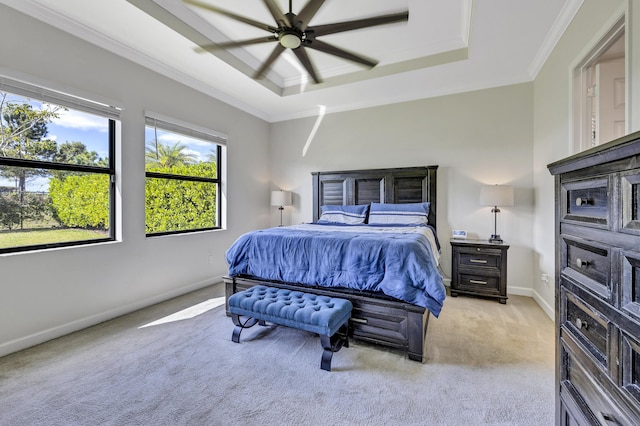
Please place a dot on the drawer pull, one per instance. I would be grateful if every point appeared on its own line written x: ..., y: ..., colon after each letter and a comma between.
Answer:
x: 583, y: 201
x: 606, y: 419
x: 581, y: 324
x: 359, y: 320
x: 477, y: 282
x: 581, y: 263
x: 477, y: 261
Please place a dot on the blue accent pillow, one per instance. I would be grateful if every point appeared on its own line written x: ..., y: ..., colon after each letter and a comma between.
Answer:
x: 350, y: 215
x: 399, y: 214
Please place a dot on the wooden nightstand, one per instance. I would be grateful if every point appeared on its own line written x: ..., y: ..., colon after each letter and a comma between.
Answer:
x: 479, y: 268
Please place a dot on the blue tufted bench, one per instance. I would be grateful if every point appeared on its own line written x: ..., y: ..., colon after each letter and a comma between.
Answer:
x: 326, y: 316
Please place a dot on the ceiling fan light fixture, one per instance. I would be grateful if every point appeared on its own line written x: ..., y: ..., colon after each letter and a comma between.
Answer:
x: 290, y: 40
x: 292, y: 31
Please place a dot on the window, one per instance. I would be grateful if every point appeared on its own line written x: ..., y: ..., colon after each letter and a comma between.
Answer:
x: 182, y: 188
x: 56, y: 169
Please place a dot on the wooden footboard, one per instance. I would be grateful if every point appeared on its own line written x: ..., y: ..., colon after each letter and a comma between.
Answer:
x: 375, y: 318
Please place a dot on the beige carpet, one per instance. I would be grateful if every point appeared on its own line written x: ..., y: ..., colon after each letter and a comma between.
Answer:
x: 174, y: 364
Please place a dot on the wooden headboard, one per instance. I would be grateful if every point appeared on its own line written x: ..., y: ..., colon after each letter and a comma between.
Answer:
x: 399, y: 185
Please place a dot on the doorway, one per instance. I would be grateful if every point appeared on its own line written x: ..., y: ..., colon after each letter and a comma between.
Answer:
x: 599, y: 98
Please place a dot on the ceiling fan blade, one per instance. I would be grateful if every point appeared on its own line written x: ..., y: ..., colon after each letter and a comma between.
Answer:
x: 265, y: 66
x: 338, y: 27
x: 332, y: 50
x: 230, y: 44
x: 306, y: 63
x: 277, y: 14
x: 307, y: 13
x: 231, y: 15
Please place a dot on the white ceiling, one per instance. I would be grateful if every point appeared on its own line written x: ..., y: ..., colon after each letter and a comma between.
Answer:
x: 447, y: 46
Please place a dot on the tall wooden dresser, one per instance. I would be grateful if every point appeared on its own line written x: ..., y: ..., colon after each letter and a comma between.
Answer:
x: 598, y: 285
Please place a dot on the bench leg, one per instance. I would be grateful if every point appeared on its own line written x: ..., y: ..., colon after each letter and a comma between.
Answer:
x: 331, y: 344
x: 250, y: 322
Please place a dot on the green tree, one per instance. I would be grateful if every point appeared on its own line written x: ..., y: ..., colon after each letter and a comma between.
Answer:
x: 22, y: 135
x: 212, y: 155
x: 175, y: 205
x: 76, y: 153
x: 167, y: 156
x: 9, y: 209
x: 81, y: 201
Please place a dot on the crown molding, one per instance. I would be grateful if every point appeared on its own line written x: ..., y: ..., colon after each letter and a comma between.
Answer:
x: 566, y: 15
x: 85, y: 33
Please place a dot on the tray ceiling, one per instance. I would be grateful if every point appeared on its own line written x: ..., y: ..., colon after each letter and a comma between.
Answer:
x: 447, y: 46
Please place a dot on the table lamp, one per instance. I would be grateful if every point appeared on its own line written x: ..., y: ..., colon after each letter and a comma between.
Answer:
x: 496, y: 195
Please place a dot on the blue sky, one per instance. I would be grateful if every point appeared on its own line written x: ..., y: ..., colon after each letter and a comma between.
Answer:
x: 76, y: 126
x: 200, y: 149
x: 73, y: 126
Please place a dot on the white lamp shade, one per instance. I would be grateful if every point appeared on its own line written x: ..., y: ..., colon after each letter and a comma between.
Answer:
x: 280, y: 198
x: 496, y: 195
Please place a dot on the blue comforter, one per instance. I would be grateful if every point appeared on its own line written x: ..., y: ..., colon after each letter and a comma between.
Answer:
x: 401, y: 262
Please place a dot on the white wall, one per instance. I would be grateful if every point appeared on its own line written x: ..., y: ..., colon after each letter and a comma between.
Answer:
x: 505, y: 135
x: 552, y: 119
x: 476, y: 138
x: 50, y: 293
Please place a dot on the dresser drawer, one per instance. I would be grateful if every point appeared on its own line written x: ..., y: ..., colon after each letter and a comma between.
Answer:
x: 587, y: 325
x: 596, y: 404
x: 587, y: 201
x: 630, y: 196
x: 630, y: 370
x: 588, y: 263
x: 630, y: 285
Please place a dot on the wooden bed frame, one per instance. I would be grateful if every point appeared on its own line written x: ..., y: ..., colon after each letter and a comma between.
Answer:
x: 376, y: 318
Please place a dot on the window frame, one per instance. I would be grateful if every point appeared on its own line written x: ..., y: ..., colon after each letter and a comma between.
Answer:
x: 105, y: 111
x: 192, y: 131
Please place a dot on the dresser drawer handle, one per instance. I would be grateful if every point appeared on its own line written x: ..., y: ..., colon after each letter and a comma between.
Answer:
x: 581, y: 324
x: 477, y: 282
x: 359, y: 320
x: 583, y: 201
x: 606, y: 419
x: 581, y: 263
x: 477, y: 261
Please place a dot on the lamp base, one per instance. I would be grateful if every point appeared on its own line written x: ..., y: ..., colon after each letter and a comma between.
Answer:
x: 495, y: 239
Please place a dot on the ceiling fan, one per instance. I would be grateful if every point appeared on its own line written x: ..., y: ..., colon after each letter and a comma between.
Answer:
x: 294, y: 32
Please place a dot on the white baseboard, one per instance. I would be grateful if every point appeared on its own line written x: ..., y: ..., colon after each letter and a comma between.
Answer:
x: 61, y: 330
x: 523, y: 291
x: 520, y: 291
x: 549, y: 310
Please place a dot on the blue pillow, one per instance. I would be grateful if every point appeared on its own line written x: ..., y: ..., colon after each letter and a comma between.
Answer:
x: 344, y: 214
x: 399, y: 214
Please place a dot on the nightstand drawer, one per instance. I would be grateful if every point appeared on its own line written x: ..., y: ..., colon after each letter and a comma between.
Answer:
x: 479, y: 283
x: 482, y: 258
